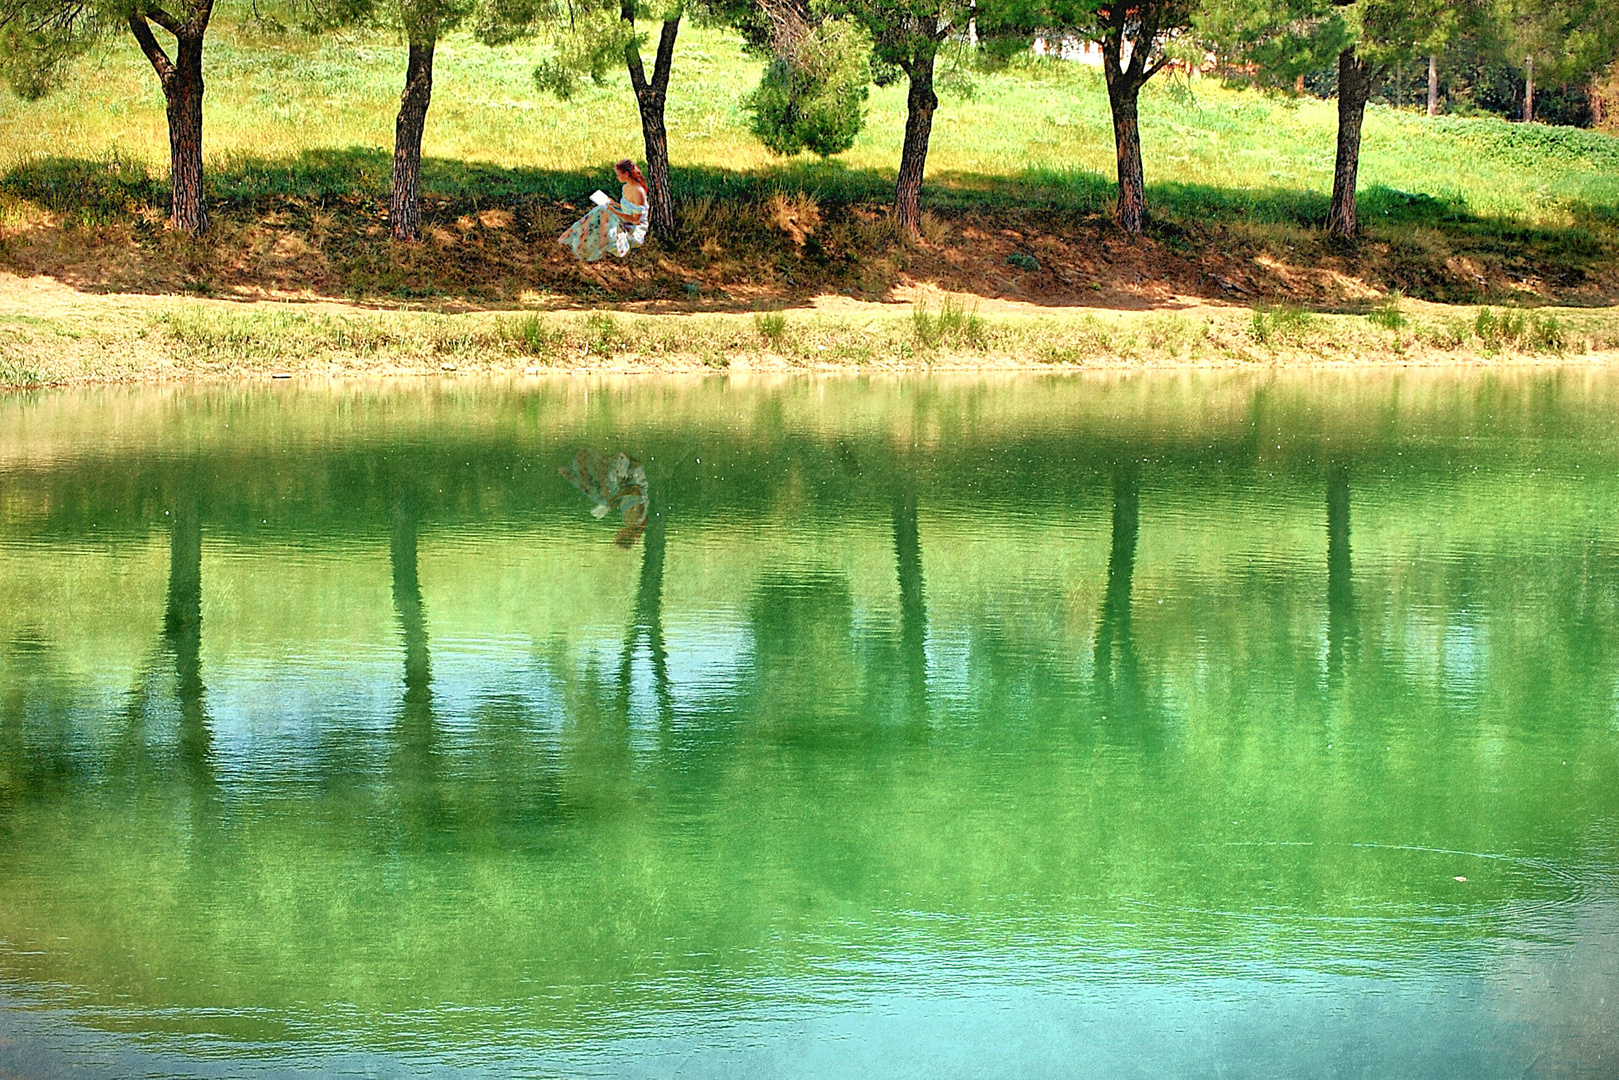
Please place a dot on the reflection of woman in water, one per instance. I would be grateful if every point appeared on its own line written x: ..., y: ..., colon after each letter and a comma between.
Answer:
x: 615, y: 483
x: 612, y: 226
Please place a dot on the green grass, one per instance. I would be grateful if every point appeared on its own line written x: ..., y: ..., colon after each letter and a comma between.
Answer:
x: 313, y: 119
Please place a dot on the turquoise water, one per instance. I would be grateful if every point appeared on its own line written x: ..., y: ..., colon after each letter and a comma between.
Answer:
x: 1192, y: 725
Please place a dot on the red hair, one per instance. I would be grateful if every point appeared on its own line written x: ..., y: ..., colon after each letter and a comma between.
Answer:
x: 628, y: 166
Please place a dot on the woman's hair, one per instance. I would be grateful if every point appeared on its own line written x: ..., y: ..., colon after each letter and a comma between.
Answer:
x: 629, y: 167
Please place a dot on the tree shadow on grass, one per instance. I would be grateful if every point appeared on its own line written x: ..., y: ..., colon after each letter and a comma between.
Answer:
x: 313, y: 227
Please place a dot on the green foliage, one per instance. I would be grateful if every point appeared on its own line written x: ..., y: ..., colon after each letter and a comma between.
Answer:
x: 813, y: 94
x: 1276, y: 41
x: 41, y: 39
x: 415, y: 20
x: 602, y: 335
x: 592, y: 46
x: 531, y: 334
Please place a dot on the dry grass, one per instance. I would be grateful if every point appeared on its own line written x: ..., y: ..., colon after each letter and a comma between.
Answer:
x: 115, y: 339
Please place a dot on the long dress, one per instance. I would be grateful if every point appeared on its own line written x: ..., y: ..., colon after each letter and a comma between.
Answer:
x: 600, y: 231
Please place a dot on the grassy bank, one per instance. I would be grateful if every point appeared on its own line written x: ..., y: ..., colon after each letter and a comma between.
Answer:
x: 299, y: 135
x: 110, y: 339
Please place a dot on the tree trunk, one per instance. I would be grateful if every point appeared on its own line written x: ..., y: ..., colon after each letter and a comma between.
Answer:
x: 1123, y: 96
x: 183, y: 100
x: 920, y: 104
x: 404, y: 200
x: 1528, y: 89
x: 181, y: 79
x: 1355, y: 78
x: 649, y: 99
x: 1433, y: 85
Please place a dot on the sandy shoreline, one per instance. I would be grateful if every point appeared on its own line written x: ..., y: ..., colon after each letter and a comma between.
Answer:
x: 53, y: 334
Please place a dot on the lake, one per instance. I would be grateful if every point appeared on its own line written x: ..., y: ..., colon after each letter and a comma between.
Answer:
x: 1195, y: 725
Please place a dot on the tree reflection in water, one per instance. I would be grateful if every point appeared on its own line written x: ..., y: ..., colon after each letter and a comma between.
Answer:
x: 491, y: 850
x: 1342, y: 630
x: 1116, y: 669
x: 646, y: 621
x: 415, y: 760
x: 913, y: 614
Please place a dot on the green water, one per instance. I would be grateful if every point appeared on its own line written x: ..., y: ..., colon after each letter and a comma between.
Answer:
x: 1172, y: 726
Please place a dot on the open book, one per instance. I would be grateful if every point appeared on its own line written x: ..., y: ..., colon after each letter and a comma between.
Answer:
x: 600, y: 198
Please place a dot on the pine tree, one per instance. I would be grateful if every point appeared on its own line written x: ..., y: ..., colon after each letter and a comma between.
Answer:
x: 421, y: 23
x: 1281, y: 39
x: 40, y: 39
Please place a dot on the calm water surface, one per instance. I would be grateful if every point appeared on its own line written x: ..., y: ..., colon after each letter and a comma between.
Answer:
x: 1175, y: 726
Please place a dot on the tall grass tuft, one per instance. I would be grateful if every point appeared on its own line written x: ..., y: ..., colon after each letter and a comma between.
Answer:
x: 1521, y: 331
x: 1388, y: 314
x: 530, y: 334
x: 952, y: 323
x: 1280, y: 324
x: 772, y: 326
x: 602, y: 336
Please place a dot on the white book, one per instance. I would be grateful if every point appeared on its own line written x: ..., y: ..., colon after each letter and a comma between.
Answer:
x: 600, y: 198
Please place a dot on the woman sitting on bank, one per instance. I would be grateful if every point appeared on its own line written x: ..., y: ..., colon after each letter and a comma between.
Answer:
x: 612, y: 226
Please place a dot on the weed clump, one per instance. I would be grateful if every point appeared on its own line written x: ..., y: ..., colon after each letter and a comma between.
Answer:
x: 772, y: 326
x: 602, y: 334
x: 1276, y: 325
x: 1522, y: 331
x: 952, y: 323
x: 1387, y: 315
x: 529, y: 334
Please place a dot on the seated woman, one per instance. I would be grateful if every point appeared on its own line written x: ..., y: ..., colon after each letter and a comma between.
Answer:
x: 612, y: 226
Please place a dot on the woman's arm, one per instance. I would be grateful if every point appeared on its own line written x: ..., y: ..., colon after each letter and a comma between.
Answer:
x: 617, y: 210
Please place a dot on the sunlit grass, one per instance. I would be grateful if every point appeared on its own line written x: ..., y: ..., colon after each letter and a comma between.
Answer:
x: 1045, y: 125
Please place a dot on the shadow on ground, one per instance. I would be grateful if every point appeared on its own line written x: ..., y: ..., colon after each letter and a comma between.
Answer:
x: 314, y: 227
